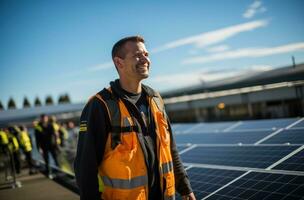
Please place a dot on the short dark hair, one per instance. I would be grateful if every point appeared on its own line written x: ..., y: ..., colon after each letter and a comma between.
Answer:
x: 117, y: 50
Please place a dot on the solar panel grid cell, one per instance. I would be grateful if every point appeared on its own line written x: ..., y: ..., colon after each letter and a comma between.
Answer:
x: 299, y: 125
x: 292, y: 136
x: 205, y: 181
x: 256, y: 186
x: 295, y: 163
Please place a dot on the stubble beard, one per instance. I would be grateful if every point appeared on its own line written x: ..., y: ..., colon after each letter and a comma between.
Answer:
x: 139, y: 71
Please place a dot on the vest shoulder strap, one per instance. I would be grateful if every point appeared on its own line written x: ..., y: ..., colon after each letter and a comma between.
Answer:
x: 159, y: 102
x: 155, y: 97
x: 111, y: 103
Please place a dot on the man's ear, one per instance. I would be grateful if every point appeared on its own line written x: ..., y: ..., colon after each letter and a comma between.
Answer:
x: 118, y: 62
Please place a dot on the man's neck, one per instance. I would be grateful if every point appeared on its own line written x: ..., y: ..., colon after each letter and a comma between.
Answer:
x: 130, y: 86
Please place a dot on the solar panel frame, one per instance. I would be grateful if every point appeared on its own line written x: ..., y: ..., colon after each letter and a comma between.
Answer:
x: 294, y: 163
x: 181, y: 128
x: 300, y: 124
x: 291, y: 136
x: 266, y: 124
x: 253, y: 156
x: 210, y: 127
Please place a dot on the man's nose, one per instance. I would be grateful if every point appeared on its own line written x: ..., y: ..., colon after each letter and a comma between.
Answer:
x: 145, y: 59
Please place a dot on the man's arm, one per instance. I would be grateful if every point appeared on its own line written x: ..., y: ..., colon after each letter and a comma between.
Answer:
x: 37, y: 139
x: 91, y: 144
x: 182, y: 182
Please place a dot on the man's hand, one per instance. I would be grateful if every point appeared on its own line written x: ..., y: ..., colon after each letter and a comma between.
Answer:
x: 189, y: 197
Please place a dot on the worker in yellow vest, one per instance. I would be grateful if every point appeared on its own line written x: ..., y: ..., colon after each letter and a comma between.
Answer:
x: 14, y: 147
x: 126, y: 148
x: 4, y: 150
x: 26, y: 146
x: 55, y: 128
x: 46, y: 141
x: 3, y: 141
x: 63, y: 134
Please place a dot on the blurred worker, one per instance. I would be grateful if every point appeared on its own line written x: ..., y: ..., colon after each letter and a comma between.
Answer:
x: 73, y: 135
x: 46, y: 141
x: 14, y: 147
x: 3, y: 141
x: 63, y: 134
x: 54, y: 127
x: 5, y: 147
x: 126, y: 148
x: 26, y: 146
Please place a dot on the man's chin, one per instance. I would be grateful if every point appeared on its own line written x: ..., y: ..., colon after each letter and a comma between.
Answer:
x: 144, y: 76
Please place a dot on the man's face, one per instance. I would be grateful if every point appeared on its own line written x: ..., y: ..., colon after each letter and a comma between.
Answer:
x: 136, y: 63
x: 44, y: 119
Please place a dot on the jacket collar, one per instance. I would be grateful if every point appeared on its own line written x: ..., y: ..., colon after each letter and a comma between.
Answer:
x: 118, y: 91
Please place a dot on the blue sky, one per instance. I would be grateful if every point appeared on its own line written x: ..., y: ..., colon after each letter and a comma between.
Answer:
x: 56, y: 47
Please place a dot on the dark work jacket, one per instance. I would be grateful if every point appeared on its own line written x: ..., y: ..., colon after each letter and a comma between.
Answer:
x: 46, y: 138
x: 91, y: 146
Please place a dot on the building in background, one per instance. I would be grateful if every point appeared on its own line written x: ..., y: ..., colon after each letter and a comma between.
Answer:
x: 277, y: 93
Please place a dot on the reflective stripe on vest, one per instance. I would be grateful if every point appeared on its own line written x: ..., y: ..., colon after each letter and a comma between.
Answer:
x: 167, y: 167
x: 125, y: 184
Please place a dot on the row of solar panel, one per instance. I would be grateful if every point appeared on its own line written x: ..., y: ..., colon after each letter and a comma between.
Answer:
x: 281, y: 136
x: 269, y: 145
x: 252, y: 156
x: 272, y: 124
x: 222, y: 184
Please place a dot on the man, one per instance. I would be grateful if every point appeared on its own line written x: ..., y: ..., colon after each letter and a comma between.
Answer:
x: 26, y: 146
x: 14, y: 147
x: 46, y: 141
x: 126, y: 149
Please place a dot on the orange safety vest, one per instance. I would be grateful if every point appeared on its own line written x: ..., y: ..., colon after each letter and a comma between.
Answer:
x: 123, y: 169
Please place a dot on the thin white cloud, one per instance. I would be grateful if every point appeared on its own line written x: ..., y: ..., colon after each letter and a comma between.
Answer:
x: 248, y: 52
x: 102, y: 66
x: 216, y: 49
x: 213, y: 37
x: 253, y: 9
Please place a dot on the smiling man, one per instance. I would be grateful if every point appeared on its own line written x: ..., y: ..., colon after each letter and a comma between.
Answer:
x: 126, y: 148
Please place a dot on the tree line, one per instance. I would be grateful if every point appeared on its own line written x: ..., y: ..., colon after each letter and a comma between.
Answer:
x: 63, y: 99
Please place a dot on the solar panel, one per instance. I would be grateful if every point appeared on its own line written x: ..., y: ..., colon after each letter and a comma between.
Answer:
x: 179, y: 128
x: 248, y: 137
x: 181, y: 147
x: 241, y: 156
x: 175, y: 127
x: 268, y: 186
x: 205, y: 181
x: 294, y: 163
x: 291, y: 136
x: 299, y: 125
x: 265, y: 124
x: 210, y: 127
